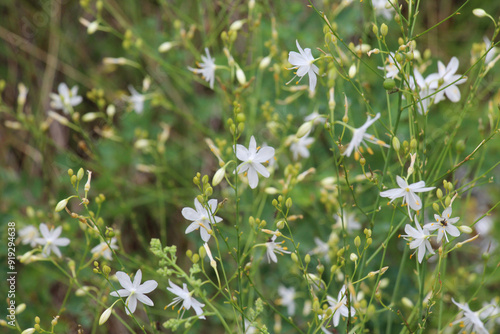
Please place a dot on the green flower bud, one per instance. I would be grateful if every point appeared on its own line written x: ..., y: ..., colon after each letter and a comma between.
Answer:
x: 288, y: 202
x: 106, y: 270
x: 389, y: 84
x: 195, y: 258
x: 435, y: 206
x: 460, y: 146
x: 384, y: 29
x: 61, y: 205
x: 294, y: 258
x: 70, y: 172
x: 465, y: 229
x: 80, y: 174
x: 307, y: 259
x: 439, y: 193
x: 357, y: 241
x: 396, y: 144
x: 105, y: 315
x: 320, y: 268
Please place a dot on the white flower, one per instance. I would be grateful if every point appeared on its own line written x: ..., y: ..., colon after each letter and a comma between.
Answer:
x: 340, y: 307
x: 383, y: 7
x: 287, y: 295
x: 470, y: 321
x: 408, y: 193
x: 490, y: 55
x: 50, y: 240
x: 252, y: 161
x: 491, y: 310
x: 315, y: 117
x: 304, y: 63
x: 28, y: 235
x: 299, y: 147
x: 136, y: 99
x: 418, y: 239
x: 391, y: 69
x: 359, y: 135
x: 207, y: 68
x: 350, y: 222
x: 184, y: 296
x: 273, y: 247
x: 104, y: 250
x: 134, y: 291
x: 425, y: 91
x: 66, y: 99
x: 446, y: 77
x: 444, y: 224
x: 201, y: 217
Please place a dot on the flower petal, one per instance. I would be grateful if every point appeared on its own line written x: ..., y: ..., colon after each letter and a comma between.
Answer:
x: 124, y: 280
x: 253, y: 178
x: 148, y: 286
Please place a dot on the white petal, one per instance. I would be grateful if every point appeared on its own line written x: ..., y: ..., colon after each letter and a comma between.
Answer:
x: 55, y: 250
x: 260, y: 169
x: 453, y: 93
x: 144, y: 299
x: 148, y: 286
x: 131, y: 303
x: 192, y: 227
x: 120, y: 293
x: 242, y: 152
x: 414, y: 201
x: 137, y: 279
x: 452, y: 230
x: 253, y: 178
x: 44, y: 230
x: 264, y: 154
x: 61, y: 242
x: 401, y: 182
x: 205, y: 236
x: 312, y: 80
x: 190, y: 214
x: 252, y: 147
x: 124, y: 280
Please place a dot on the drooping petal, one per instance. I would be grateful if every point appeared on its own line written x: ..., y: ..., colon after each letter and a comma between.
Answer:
x: 144, y: 299
x: 205, y: 236
x: 253, y: 178
x: 260, y: 169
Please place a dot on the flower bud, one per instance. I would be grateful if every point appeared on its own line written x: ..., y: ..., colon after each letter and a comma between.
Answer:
x: 357, y: 241
x: 105, y: 315
x: 352, y: 71
x: 280, y: 224
x: 240, y: 76
x: 264, y: 63
x: 61, y: 205
x: 389, y: 84
x: 384, y: 29
x: 307, y: 259
x: 20, y: 308
x: 218, y: 176
x: 294, y: 258
x: 439, y: 193
x: 195, y: 258
x: 465, y: 229
x: 407, y: 302
x: 304, y: 129
x: 166, y: 46
x: 435, y: 206
x: 479, y: 12
x: 106, y: 270
x: 237, y: 25
x: 28, y: 331
x: 353, y: 257
x: 320, y: 268
x: 288, y: 202
x: 80, y: 174
x: 396, y: 144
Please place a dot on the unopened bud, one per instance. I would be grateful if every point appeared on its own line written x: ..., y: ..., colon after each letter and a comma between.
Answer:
x: 304, y: 129
x: 352, y: 71
x: 294, y: 258
x: 465, y: 229
x: 264, y: 63
x: 219, y: 176
x: 439, y: 193
x: 435, y: 206
x: 80, y: 174
x: 479, y: 12
x: 307, y: 258
x: 407, y: 302
x: 61, y: 205
x: 357, y: 241
x: 389, y: 84
x: 353, y: 257
x: 240, y: 76
x: 396, y: 144
x: 384, y: 29
x: 105, y: 315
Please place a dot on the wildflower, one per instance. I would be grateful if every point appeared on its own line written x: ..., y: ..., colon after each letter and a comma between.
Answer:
x: 425, y: 91
x: 50, y: 240
x: 315, y: 117
x: 28, y: 235
x: 470, y: 321
x: 383, y: 7
x: 65, y: 99
x: 359, y: 135
x: 184, y: 296
x: 136, y: 99
x: 287, y: 295
x: 408, y: 193
x: 490, y: 55
x: 104, y: 250
x: 340, y: 306
x: 418, y: 239
x: 207, y: 68
x: 273, y: 247
x: 304, y: 63
x: 201, y: 217
x: 253, y: 158
x: 134, y: 291
x: 491, y: 311
x: 391, y: 69
x: 351, y: 224
x: 446, y: 77
x: 444, y: 224
x: 299, y: 147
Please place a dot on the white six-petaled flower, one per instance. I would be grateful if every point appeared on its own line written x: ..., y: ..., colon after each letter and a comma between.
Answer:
x: 287, y: 296
x: 419, y: 238
x: 51, y: 241
x: 359, y: 136
x: 299, y: 147
x: 470, y: 321
x: 28, y: 235
x: 65, y: 99
x: 340, y: 307
x: 253, y: 158
x: 408, y: 192
x: 447, y: 78
x: 391, y: 70
x: 303, y: 62
x: 273, y: 247
x: 201, y: 218
x: 104, y: 250
x: 207, y: 68
x: 134, y: 291
x: 136, y: 100
x: 383, y: 7
x: 444, y: 225
x: 184, y: 296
